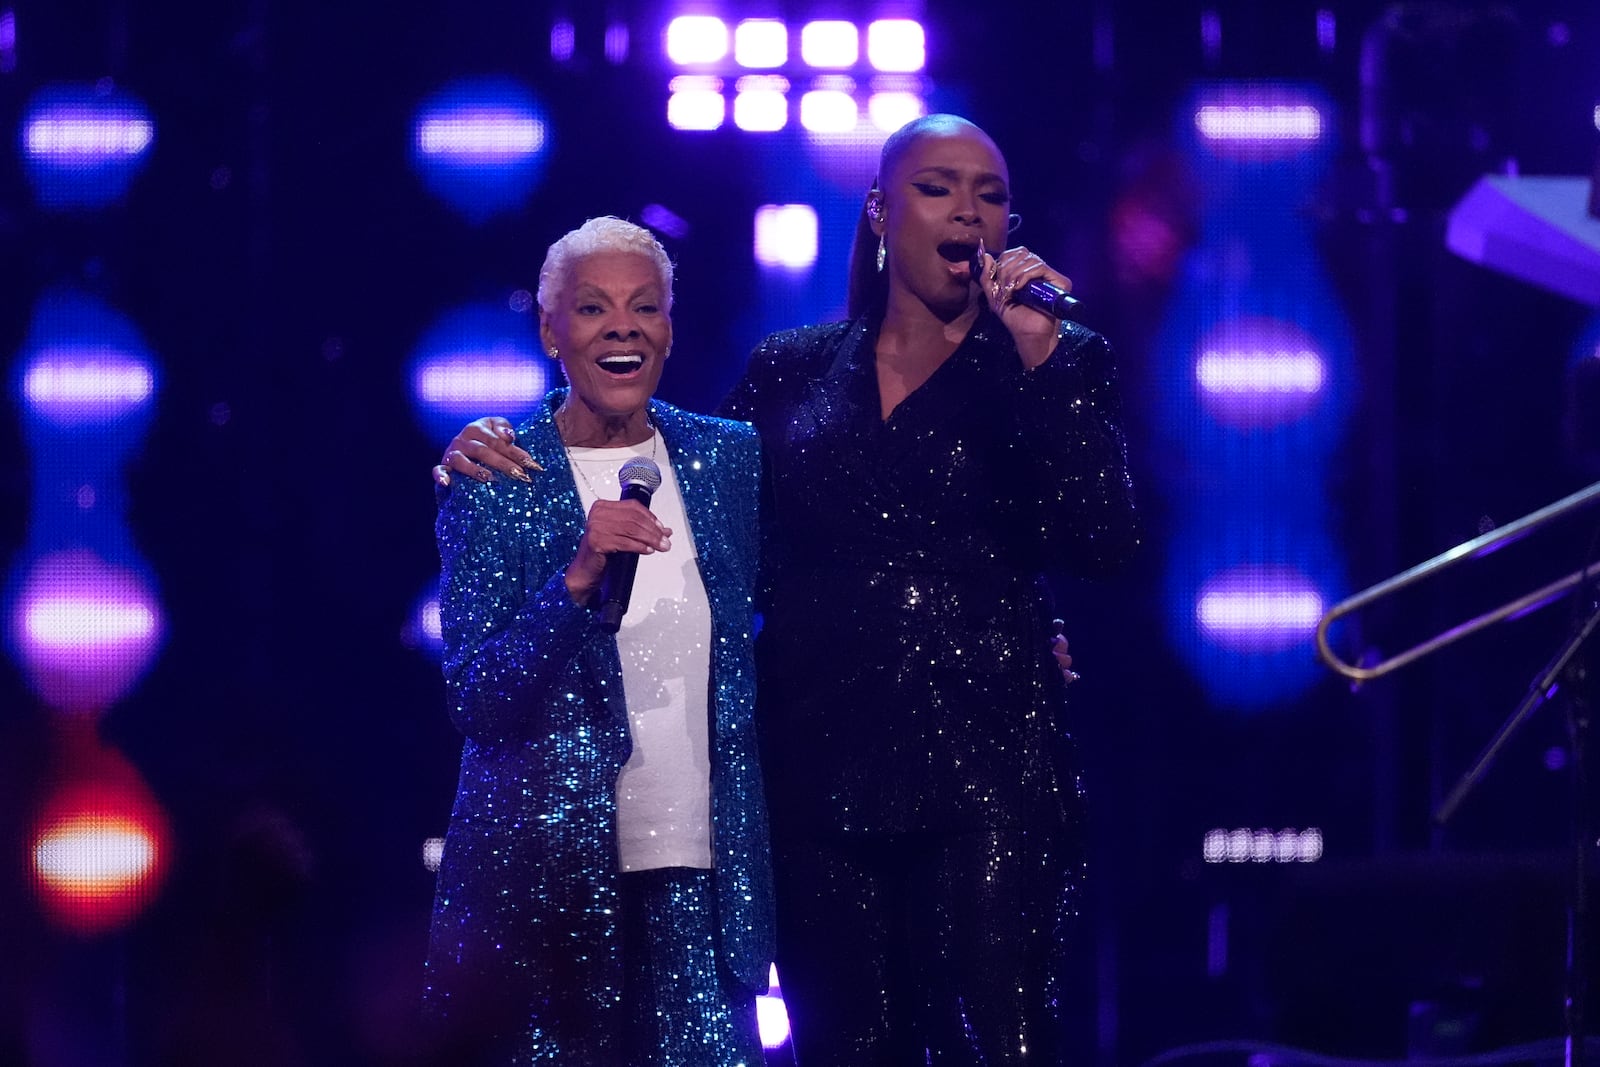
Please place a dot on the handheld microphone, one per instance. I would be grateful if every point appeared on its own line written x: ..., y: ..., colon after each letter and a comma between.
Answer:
x: 1037, y: 293
x: 640, y: 477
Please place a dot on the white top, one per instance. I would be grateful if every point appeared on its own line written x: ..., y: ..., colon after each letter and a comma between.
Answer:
x: 664, y: 790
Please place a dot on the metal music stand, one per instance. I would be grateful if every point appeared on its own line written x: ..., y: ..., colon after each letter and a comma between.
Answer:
x: 1564, y: 671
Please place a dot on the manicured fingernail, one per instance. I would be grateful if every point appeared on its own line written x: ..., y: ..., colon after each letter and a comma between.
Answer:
x: 444, y: 479
x: 520, y: 475
x: 532, y: 464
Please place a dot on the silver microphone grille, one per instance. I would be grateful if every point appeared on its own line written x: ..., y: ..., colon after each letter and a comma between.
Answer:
x: 641, y: 471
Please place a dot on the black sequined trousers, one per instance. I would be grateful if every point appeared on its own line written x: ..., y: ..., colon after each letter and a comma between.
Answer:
x: 910, y: 949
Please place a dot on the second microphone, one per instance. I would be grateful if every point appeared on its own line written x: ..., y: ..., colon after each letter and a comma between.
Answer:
x: 640, y: 478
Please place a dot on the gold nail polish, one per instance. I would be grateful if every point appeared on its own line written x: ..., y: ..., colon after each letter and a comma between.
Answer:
x: 520, y: 475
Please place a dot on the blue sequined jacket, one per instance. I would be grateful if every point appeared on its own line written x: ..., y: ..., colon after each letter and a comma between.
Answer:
x: 526, y: 907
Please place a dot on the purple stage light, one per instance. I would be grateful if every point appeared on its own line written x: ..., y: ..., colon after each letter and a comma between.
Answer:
x: 75, y: 136
x: 1258, y: 608
x: 617, y: 42
x: 786, y: 236
x: 1257, y: 123
x: 830, y: 44
x: 8, y: 41
x: 82, y: 145
x: 424, y: 630
x: 1258, y: 372
x: 663, y: 219
x: 696, y: 39
x: 1245, y: 845
x: 481, y: 145
x: 563, y: 41
x: 480, y: 136
x: 78, y: 384
x: 696, y: 103
x: 1327, y: 30
x: 762, y: 103
x: 828, y: 111
x: 842, y: 149
x: 84, y: 630
x: 1211, y: 34
x: 891, y: 110
x: 897, y: 45
x: 772, y: 1018
x: 464, y: 381
x: 761, y: 44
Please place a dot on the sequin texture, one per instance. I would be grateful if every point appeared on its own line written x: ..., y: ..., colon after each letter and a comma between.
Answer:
x: 908, y: 694
x: 525, y: 961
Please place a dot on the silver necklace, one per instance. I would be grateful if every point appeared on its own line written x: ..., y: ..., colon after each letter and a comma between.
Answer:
x: 572, y: 461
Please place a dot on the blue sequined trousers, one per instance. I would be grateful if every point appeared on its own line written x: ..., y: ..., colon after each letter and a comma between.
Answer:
x: 680, y: 1012
x: 528, y: 954
x: 924, y: 789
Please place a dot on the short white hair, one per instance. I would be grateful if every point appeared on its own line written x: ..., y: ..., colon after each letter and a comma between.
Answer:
x: 604, y: 234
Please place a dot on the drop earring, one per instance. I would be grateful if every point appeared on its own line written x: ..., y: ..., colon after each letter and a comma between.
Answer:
x: 875, y: 214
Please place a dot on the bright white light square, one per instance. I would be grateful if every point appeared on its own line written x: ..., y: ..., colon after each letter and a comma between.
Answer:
x: 786, y: 236
x: 696, y: 104
x: 761, y: 44
x: 896, y: 45
x: 890, y: 111
x: 761, y: 110
x: 695, y: 39
x: 830, y: 44
x: 828, y: 111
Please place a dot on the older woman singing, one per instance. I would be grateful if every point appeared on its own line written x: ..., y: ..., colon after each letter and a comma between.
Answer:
x: 604, y: 895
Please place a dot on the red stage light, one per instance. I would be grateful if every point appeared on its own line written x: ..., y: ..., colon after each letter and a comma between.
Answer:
x: 99, y: 849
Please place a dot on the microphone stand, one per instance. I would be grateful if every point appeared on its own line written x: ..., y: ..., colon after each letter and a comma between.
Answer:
x: 1567, y: 670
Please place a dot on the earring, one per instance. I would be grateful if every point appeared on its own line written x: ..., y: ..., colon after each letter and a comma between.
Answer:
x: 554, y: 354
x: 1012, y: 222
x: 883, y: 253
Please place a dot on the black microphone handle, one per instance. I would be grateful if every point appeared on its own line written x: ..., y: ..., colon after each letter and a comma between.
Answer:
x: 1042, y: 296
x: 616, y: 582
x: 616, y: 587
x: 1037, y: 293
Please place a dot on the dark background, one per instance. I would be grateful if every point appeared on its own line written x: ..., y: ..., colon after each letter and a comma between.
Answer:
x: 281, y: 257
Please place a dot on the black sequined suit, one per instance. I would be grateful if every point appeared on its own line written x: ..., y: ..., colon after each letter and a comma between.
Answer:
x: 922, y: 786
